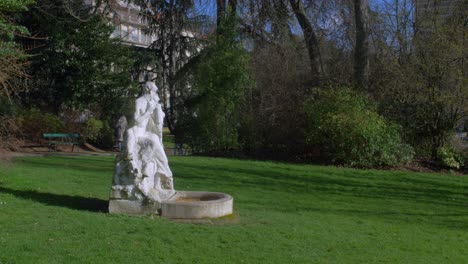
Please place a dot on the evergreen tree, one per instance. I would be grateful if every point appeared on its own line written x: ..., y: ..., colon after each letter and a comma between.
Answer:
x: 79, y: 66
x: 12, y: 58
x: 211, y: 119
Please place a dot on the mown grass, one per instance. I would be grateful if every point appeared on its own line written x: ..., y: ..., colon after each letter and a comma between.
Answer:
x: 53, y: 210
x: 168, y: 138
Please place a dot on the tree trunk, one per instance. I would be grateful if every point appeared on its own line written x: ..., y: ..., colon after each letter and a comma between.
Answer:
x: 310, y: 39
x: 232, y: 6
x: 279, y: 21
x: 361, y: 50
x: 220, y: 11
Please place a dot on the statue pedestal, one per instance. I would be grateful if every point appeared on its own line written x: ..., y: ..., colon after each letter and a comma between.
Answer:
x: 133, y: 207
x: 142, y: 182
x: 195, y: 205
x: 183, y: 205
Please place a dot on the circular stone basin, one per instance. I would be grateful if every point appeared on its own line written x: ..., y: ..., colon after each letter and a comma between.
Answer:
x: 193, y: 205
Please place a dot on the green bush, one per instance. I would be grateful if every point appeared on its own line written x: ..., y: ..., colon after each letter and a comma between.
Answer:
x: 105, y: 138
x: 32, y: 123
x: 98, y: 133
x: 450, y: 157
x: 91, y: 129
x: 9, y: 132
x: 349, y: 131
x: 7, y: 107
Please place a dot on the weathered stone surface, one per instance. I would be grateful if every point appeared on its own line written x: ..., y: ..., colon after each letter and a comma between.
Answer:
x: 142, y: 181
x: 142, y: 171
x: 135, y: 207
x: 193, y: 205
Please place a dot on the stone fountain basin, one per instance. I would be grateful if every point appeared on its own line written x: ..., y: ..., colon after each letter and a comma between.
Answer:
x: 195, y: 205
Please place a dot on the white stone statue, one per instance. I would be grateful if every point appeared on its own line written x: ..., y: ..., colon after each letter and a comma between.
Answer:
x: 142, y: 181
x: 142, y: 171
x: 120, y: 129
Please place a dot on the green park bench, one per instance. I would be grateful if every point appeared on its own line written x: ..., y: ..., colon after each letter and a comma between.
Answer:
x: 55, y: 139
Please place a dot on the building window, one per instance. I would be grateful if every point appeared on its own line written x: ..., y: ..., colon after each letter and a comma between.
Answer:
x: 134, y: 35
x: 116, y: 33
x: 124, y: 32
x: 134, y: 18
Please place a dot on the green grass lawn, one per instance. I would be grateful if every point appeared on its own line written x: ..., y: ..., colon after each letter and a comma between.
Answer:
x: 52, y: 210
x: 168, y: 139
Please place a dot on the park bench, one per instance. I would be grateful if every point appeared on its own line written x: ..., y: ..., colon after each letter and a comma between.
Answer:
x: 180, y: 149
x: 55, y: 139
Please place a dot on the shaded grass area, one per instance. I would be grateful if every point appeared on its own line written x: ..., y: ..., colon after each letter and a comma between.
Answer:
x: 53, y: 210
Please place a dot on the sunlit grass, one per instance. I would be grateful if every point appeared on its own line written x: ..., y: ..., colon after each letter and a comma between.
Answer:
x: 53, y: 210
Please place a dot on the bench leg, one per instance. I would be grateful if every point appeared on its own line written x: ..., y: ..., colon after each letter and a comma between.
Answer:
x: 52, y: 147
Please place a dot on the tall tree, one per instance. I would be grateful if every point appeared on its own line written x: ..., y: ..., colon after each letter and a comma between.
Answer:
x: 220, y: 11
x: 175, y: 50
x: 280, y: 21
x: 361, y: 49
x: 211, y: 119
x: 426, y: 91
x: 310, y: 39
x: 79, y: 65
x: 232, y: 5
x: 12, y: 58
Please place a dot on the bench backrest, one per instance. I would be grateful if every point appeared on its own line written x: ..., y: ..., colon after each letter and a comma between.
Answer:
x: 61, y: 135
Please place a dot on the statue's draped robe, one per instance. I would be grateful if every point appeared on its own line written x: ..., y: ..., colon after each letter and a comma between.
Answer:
x: 142, y: 169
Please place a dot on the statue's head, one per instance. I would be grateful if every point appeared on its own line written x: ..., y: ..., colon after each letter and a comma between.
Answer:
x: 150, y: 76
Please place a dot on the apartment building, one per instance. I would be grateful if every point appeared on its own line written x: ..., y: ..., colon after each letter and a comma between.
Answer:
x: 129, y: 25
x: 439, y: 9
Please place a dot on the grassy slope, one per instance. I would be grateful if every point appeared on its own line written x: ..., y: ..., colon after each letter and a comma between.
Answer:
x: 50, y: 213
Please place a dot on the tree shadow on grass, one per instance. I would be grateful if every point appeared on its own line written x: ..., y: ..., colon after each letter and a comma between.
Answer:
x: 409, y: 198
x: 393, y: 197
x: 411, y: 189
x: 71, y: 202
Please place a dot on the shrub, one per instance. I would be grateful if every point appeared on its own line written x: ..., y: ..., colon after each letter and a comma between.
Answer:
x: 9, y: 132
x: 32, y: 123
x: 450, y: 157
x: 349, y: 131
x: 98, y: 133
x: 91, y: 129
x: 7, y: 107
x: 105, y: 139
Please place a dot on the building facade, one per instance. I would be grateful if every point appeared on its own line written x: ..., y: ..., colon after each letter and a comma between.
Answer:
x: 130, y: 27
x: 439, y: 9
x: 129, y: 24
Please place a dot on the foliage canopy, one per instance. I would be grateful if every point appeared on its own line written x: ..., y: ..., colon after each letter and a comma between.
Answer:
x: 12, y: 58
x: 79, y: 66
x: 211, y: 118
